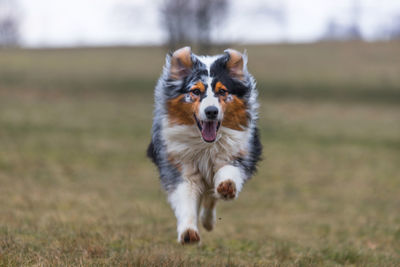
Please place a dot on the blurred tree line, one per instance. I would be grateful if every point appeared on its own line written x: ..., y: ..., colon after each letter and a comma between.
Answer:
x: 191, y: 21
x: 9, y: 23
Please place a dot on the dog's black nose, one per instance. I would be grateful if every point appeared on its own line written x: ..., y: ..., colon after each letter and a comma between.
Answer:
x: 211, y: 112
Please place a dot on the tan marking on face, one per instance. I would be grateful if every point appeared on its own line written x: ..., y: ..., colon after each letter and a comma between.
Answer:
x: 181, y: 112
x: 235, y: 115
x: 199, y: 85
x: 219, y: 86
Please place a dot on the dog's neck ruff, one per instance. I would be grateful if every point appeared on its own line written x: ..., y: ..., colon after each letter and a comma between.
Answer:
x: 186, y: 148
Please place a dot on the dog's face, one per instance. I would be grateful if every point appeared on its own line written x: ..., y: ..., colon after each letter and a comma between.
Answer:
x: 208, y: 92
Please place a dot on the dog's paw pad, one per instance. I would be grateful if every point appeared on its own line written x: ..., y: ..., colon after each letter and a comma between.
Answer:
x: 190, y: 236
x: 227, y: 189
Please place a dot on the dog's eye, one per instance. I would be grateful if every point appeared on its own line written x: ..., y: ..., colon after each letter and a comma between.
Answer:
x: 222, y: 92
x: 196, y: 92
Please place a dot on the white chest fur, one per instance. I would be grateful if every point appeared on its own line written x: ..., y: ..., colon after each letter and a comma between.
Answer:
x: 186, y: 149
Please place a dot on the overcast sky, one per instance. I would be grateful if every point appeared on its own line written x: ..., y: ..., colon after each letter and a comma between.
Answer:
x: 126, y: 22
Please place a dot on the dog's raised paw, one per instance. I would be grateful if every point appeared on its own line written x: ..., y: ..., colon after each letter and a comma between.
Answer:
x: 227, y: 189
x: 190, y: 236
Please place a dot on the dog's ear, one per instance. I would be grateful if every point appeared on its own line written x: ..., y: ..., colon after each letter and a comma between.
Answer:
x: 181, y: 63
x: 235, y: 64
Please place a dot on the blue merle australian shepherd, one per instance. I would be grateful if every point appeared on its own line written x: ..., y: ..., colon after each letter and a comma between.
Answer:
x: 204, y: 139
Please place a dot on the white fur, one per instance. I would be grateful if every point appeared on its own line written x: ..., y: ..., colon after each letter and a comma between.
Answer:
x: 208, y: 60
x: 185, y: 145
x: 185, y: 201
x: 209, y: 100
x: 229, y: 172
x: 203, y: 166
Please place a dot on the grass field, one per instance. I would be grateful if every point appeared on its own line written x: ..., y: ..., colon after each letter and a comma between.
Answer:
x: 77, y: 189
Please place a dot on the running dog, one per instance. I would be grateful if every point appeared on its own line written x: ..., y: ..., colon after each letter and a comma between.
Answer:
x: 205, y: 140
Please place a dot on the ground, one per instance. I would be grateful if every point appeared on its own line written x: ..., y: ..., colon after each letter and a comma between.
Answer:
x: 77, y: 189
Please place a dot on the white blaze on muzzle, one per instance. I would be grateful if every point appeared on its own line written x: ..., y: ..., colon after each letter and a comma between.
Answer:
x: 210, y: 115
x: 208, y: 101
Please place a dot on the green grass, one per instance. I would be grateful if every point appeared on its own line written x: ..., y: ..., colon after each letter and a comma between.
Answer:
x: 77, y: 189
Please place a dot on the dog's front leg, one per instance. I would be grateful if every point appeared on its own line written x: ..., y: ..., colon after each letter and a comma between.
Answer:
x: 228, y: 182
x: 185, y: 201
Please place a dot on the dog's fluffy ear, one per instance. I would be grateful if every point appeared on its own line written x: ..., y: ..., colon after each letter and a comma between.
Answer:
x: 181, y: 63
x: 235, y: 64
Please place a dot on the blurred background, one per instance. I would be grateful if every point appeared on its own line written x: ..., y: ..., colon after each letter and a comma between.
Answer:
x: 76, y: 100
x: 45, y: 23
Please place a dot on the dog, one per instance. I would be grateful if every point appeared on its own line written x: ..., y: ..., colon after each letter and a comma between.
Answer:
x: 205, y: 141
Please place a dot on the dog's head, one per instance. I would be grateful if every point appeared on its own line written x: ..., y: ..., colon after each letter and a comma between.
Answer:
x: 208, y: 92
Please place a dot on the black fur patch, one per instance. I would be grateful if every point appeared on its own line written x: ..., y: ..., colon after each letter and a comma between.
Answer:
x: 151, y: 153
x: 219, y: 72
x: 169, y: 175
x: 249, y: 163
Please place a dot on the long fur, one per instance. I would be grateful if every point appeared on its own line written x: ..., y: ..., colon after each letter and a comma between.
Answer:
x: 190, y: 167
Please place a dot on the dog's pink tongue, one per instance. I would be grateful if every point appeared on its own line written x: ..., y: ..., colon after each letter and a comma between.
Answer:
x: 209, y: 131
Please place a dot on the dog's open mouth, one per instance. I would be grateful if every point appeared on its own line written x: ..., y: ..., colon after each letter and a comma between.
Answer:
x: 208, y: 129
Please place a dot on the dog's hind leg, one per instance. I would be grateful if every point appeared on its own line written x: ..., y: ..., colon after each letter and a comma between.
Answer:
x: 208, y: 212
x: 185, y: 201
